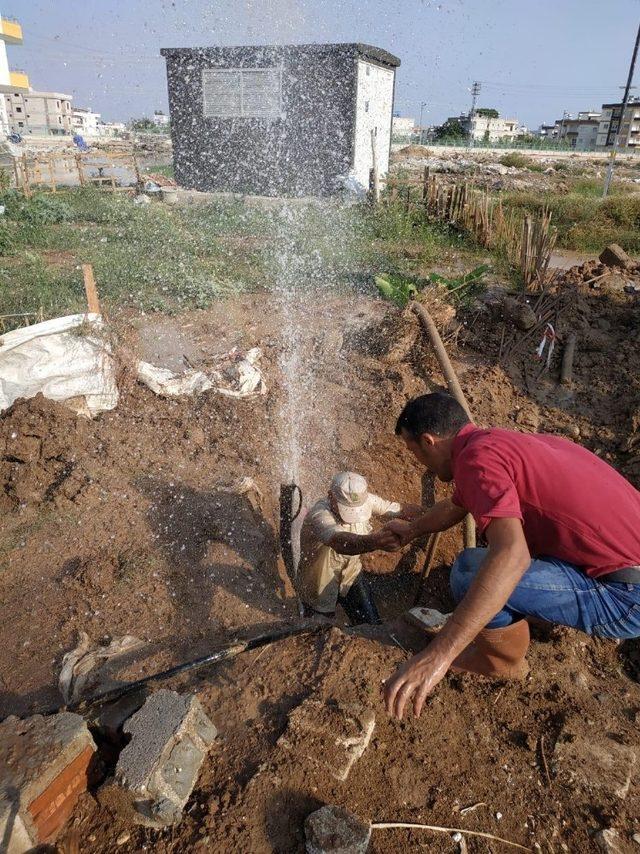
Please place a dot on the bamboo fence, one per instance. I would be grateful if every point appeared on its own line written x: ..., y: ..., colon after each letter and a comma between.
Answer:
x: 527, y: 241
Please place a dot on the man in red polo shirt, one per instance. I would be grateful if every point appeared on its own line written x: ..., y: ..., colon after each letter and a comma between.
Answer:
x: 563, y: 535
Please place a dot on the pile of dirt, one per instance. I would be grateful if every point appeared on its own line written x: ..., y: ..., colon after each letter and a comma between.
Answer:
x: 39, y: 443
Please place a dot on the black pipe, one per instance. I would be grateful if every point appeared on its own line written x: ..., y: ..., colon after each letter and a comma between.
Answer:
x: 287, y: 517
x: 229, y: 651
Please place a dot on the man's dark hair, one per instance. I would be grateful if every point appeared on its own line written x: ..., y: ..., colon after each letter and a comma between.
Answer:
x: 437, y: 413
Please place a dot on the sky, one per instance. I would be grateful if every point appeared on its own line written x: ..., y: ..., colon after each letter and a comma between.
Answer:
x: 533, y: 58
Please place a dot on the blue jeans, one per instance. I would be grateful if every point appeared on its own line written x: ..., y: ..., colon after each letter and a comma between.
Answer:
x: 559, y: 592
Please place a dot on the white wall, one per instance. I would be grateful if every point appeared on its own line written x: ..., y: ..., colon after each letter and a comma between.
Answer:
x: 374, y: 106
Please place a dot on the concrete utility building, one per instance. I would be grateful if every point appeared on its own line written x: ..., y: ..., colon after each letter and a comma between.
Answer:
x: 285, y: 120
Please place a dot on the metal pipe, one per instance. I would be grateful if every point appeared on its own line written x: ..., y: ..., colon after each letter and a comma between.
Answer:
x: 455, y: 390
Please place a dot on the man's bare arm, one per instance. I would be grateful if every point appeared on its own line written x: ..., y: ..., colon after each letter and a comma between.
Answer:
x: 506, y: 562
x: 443, y: 515
x: 358, y: 544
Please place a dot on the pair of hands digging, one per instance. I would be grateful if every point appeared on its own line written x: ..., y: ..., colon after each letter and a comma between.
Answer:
x: 414, y: 680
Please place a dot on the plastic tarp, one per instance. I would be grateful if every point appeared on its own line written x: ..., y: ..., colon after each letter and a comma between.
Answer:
x: 236, y: 375
x: 67, y: 359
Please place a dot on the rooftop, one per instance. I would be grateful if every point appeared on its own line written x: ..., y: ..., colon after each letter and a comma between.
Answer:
x: 366, y: 51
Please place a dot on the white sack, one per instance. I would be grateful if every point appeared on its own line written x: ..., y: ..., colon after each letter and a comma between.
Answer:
x: 61, y: 360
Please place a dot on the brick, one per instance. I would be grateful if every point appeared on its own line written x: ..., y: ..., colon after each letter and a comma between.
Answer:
x: 329, y: 735
x: 44, y: 767
x: 334, y: 830
x: 170, y: 737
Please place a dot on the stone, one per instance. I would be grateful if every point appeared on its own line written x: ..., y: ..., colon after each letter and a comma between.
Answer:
x: 519, y: 313
x: 334, y: 830
x: 427, y: 619
x: 44, y: 763
x: 600, y: 765
x: 170, y: 737
x: 609, y: 841
x: 330, y: 735
x: 614, y: 256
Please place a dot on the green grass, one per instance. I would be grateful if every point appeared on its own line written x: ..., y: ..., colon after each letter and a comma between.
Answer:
x: 586, y: 221
x: 163, y: 258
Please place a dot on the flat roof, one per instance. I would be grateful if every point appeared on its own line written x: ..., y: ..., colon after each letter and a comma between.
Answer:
x: 366, y: 51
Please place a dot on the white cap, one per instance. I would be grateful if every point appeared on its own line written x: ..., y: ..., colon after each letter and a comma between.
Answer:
x: 351, y: 493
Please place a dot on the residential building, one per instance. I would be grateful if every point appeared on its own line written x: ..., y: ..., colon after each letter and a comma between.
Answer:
x: 402, y: 128
x: 280, y: 120
x: 611, y: 119
x: 547, y: 131
x: 581, y: 132
x: 160, y: 119
x: 39, y: 113
x: 85, y: 121
x: 487, y: 128
x: 10, y: 81
x: 109, y: 129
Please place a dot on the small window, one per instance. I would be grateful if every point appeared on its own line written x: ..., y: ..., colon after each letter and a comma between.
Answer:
x: 242, y: 93
x: 368, y: 70
x: 20, y: 124
x: 58, y: 103
x: 366, y: 106
x: 59, y: 120
x: 18, y: 109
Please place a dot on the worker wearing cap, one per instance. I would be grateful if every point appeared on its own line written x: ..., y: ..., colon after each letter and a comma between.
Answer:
x: 335, y: 532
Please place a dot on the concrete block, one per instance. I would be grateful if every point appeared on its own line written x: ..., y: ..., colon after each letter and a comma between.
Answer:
x: 600, y: 765
x: 44, y: 764
x: 170, y: 737
x: 334, y: 830
x: 329, y: 735
x: 614, y: 256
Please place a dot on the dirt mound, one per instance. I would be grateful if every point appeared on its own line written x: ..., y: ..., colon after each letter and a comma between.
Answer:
x: 39, y: 441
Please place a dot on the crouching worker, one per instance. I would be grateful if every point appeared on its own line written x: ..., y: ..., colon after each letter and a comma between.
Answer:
x: 563, y: 544
x: 335, y: 532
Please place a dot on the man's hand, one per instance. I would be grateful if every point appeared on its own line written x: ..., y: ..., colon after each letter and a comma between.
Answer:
x: 414, y: 680
x: 403, y: 531
x: 385, y: 540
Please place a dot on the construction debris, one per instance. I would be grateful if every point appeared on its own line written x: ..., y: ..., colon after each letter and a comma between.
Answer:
x: 615, y: 256
x: 82, y: 665
x: 236, y: 375
x: 44, y: 764
x: 331, y: 736
x: 170, y: 737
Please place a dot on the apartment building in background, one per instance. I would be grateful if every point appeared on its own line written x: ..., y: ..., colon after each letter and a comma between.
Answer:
x: 85, y: 122
x: 39, y: 113
x: 10, y: 81
x: 488, y: 128
x: 402, y: 128
x: 580, y: 132
x: 611, y: 119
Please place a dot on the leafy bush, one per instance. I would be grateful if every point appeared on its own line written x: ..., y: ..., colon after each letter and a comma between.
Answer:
x: 515, y: 158
x: 38, y: 210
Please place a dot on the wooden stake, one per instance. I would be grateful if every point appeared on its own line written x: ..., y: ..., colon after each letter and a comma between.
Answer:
x: 93, y: 303
x: 26, y: 187
x: 81, y: 176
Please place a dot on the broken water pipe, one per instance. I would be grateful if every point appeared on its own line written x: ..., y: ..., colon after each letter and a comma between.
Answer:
x: 290, y: 498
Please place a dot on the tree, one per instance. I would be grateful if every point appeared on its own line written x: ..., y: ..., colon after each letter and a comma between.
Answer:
x: 451, y: 129
x: 488, y: 113
x: 142, y: 124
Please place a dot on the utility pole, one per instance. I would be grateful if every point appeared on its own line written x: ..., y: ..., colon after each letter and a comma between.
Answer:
x: 616, y: 140
x: 565, y: 115
x: 423, y: 104
x: 475, y: 91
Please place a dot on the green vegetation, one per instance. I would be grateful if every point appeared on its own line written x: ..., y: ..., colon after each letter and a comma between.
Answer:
x: 165, y: 169
x: 586, y: 221
x: 488, y: 112
x: 156, y: 257
x: 450, y: 130
x: 401, y: 289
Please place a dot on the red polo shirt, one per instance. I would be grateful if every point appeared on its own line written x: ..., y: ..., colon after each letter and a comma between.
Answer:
x: 573, y: 506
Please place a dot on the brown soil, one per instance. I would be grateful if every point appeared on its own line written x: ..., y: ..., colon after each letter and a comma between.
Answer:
x: 129, y: 524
